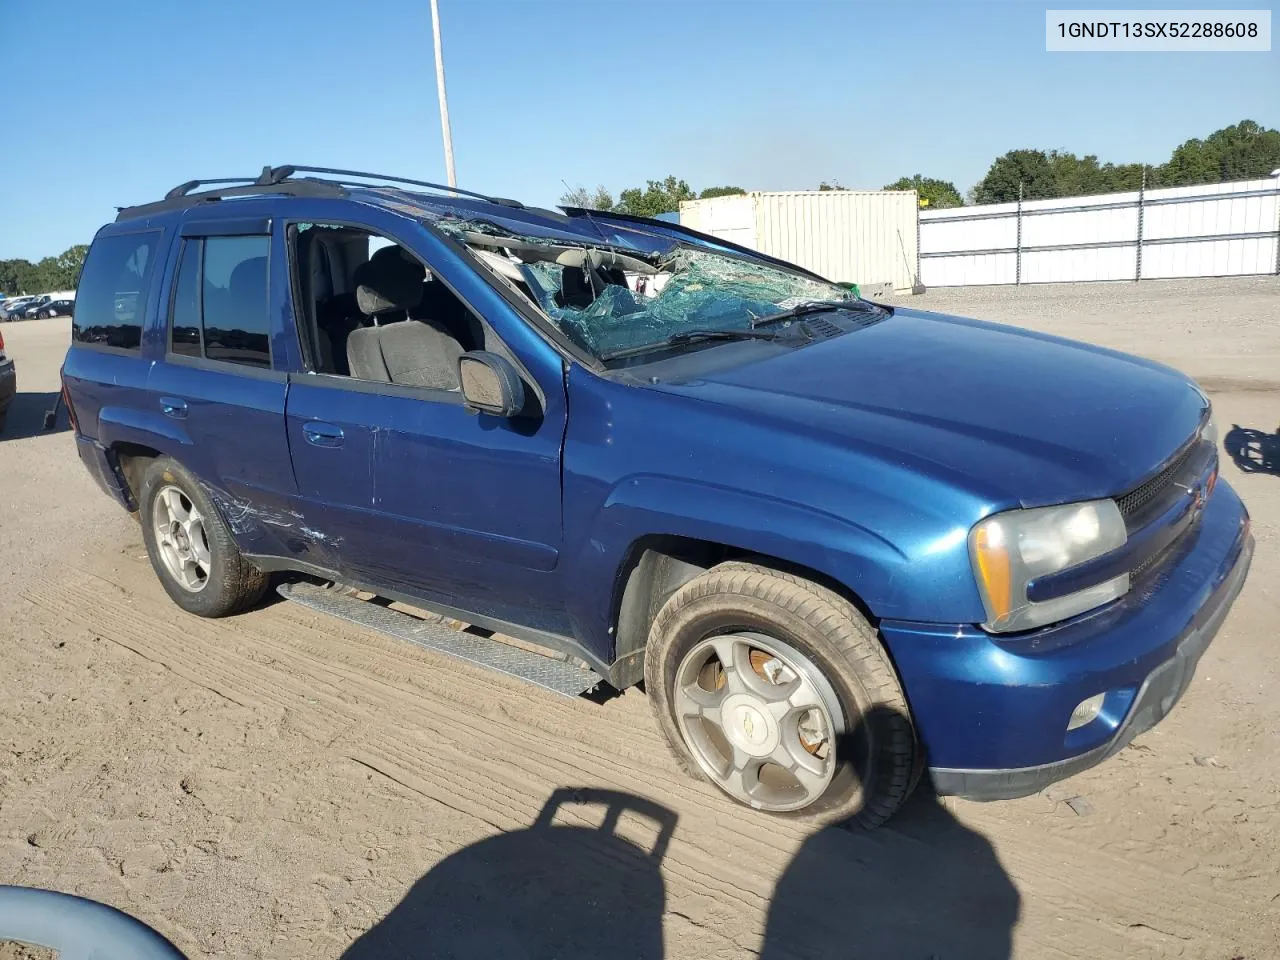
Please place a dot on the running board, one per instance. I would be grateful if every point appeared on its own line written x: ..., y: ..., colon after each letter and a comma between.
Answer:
x: 554, y: 675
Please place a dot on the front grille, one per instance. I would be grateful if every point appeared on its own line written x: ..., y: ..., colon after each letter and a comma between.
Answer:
x: 1137, y: 498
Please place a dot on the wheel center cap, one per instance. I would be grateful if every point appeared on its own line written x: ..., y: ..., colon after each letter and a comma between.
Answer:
x: 749, y: 725
x: 181, y: 540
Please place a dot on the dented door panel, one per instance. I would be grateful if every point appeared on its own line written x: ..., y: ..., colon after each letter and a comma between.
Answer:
x: 427, y: 498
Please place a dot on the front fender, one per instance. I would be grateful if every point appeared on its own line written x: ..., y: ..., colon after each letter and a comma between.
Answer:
x: 646, y: 506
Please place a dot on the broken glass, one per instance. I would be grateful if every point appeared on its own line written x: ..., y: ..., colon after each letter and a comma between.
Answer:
x: 621, y: 297
x: 702, y: 291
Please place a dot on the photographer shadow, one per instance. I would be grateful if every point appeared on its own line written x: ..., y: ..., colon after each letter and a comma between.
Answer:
x: 552, y: 890
x: 923, y: 886
x: 1252, y: 450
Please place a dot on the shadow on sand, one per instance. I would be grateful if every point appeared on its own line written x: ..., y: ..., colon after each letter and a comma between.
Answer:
x: 1252, y: 450
x: 26, y: 413
x: 924, y: 886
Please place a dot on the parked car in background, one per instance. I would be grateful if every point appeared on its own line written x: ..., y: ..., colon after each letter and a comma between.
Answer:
x: 8, y: 383
x: 29, y: 311
x: 55, y: 308
x: 14, y: 305
x: 841, y: 543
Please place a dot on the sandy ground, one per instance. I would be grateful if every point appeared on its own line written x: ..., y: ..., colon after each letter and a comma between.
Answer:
x: 280, y: 784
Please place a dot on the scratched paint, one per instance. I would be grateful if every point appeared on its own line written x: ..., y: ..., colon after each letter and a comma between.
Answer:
x: 244, y: 517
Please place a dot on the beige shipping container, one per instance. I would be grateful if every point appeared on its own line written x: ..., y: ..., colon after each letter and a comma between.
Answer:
x: 859, y: 236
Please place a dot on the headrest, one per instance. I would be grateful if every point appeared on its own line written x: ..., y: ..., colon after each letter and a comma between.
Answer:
x: 249, y: 277
x: 575, y: 289
x: 390, y: 280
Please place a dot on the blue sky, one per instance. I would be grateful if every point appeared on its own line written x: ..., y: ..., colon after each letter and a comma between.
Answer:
x: 137, y: 95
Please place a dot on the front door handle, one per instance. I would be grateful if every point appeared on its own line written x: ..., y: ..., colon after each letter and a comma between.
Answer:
x: 322, y: 434
x: 173, y: 407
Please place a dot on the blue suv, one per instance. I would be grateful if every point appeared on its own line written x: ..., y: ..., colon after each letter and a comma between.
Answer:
x: 839, y: 543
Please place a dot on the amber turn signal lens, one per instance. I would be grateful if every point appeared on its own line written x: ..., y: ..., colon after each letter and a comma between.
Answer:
x: 992, y: 554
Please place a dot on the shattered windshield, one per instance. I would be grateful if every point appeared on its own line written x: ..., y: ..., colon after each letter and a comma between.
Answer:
x: 616, y: 298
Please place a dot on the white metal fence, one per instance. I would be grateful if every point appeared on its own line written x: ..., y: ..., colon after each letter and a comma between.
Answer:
x: 1216, y: 230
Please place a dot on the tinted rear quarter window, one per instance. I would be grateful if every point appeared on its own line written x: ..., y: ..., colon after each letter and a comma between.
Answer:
x: 112, y: 293
x: 185, y: 338
x: 236, y: 317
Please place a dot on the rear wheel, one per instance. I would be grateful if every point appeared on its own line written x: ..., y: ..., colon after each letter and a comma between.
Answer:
x: 777, y: 690
x: 191, y: 548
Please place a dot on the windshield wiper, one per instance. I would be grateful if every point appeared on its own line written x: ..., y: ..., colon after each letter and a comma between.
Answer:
x: 689, y: 336
x: 822, y: 306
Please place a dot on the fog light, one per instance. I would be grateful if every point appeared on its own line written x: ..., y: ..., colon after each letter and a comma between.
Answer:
x: 1086, y: 712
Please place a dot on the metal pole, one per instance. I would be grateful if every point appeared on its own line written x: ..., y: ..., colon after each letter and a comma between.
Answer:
x: 444, y: 100
x: 1017, y: 275
x: 1276, y: 174
x: 1142, y: 199
x: 918, y: 287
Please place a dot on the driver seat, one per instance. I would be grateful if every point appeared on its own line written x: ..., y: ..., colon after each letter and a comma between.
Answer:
x: 394, y: 349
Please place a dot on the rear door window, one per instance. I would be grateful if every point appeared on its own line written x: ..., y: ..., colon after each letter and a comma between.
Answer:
x: 112, y: 293
x: 220, y: 306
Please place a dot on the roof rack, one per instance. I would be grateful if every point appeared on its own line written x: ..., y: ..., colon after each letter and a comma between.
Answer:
x: 280, y: 180
x: 181, y: 197
x: 279, y: 174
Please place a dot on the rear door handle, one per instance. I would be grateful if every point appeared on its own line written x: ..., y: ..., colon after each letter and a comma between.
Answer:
x: 173, y: 407
x: 322, y: 434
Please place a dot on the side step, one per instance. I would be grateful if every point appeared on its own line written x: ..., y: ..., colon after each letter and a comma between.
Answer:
x: 554, y: 675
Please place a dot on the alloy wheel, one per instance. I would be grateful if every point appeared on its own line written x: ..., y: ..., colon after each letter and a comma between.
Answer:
x: 181, y: 538
x: 759, y: 718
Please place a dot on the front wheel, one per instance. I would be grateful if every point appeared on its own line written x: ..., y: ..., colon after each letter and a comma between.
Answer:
x: 777, y: 690
x: 191, y: 548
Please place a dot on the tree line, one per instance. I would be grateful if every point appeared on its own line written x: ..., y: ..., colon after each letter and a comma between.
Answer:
x: 656, y: 197
x: 52, y: 273
x: 1244, y: 151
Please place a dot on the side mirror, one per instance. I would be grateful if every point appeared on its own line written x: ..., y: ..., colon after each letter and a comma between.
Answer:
x: 490, y: 384
x: 78, y: 929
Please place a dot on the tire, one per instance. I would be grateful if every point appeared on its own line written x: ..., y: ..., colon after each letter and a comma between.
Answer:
x: 830, y: 656
x: 229, y: 582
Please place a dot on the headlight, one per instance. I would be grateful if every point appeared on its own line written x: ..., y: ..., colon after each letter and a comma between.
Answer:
x: 1210, y: 431
x: 1011, y: 549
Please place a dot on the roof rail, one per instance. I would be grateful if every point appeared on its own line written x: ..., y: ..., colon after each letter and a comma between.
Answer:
x: 268, y: 177
x: 279, y: 175
x: 180, y: 198
x: 280, y: 180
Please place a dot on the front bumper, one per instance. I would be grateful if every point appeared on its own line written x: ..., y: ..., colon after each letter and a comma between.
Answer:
x: 992, y: 712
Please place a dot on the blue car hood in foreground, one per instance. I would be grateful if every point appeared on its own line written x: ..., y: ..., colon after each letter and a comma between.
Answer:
x: 1013, y: 416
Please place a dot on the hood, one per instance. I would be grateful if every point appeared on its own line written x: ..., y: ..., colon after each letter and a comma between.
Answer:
x: 1019, y: 418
